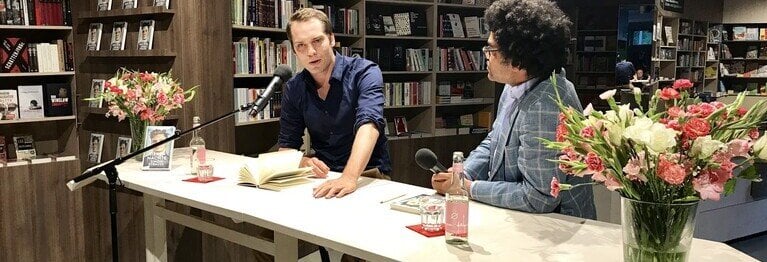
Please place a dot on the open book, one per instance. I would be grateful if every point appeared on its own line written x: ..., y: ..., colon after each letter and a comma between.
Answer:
x: 275, y: 171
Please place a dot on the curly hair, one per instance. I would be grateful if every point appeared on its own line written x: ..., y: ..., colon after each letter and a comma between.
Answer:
x: 531, y: 34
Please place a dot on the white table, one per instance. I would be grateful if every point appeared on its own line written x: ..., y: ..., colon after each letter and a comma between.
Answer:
x: 360, y: 225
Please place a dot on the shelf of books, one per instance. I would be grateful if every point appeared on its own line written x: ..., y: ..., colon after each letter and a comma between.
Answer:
x: 743, y: 57
x: 692, y: 52
x: 665, y: 49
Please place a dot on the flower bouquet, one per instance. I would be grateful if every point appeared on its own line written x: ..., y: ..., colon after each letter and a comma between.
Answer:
x: 144, y: 98
x: 662, y: 160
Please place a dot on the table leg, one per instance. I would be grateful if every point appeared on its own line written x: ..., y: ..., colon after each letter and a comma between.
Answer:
x: 154, y: 230
x: 286, y: 247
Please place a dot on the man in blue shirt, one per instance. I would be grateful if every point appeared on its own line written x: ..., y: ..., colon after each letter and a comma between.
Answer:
x: 512, y: 168
x: 339, y: 99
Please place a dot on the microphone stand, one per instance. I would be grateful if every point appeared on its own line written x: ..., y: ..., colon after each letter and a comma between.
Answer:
x: 111, y: 171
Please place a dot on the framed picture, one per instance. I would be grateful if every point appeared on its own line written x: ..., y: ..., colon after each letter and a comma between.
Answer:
x: 123, y: 146
x: 160, y: 157
x: 95, y: 144
x: 97, y: 87
x: 400, y: 125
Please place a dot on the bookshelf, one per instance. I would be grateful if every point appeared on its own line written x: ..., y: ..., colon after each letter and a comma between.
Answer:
x: 743, y: 54
x: 40, y: 216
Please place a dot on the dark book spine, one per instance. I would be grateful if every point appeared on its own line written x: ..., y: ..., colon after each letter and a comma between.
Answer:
x: 33, y: 66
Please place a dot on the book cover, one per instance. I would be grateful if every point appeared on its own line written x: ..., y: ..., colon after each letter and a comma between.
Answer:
x: 165, y: 3
x: 160, y: 157
x: 275, y: 171
x: 58, y: 100
x: 31, y: 102
x: 411, y: 204
x: 95, y: 145
x: 146, y: 35
x: 389, y: 28
x: 128, y: 4
x: 763, y: 34
x: 14, y: 55
x: 9, y: 105
x: 97, y: 87
x: 94, y: 37
x: 738, y: 33
x: 400, y: 125
x: 25, y: 147
x: 104, y: 5
x: 472, y: 26
x: 123, y: 146
x: 402, y: 23
x: 752, y: 33
x: 455, y: 24
x: 3, y: 150
x: 375, y: 25
x: 119, y: 30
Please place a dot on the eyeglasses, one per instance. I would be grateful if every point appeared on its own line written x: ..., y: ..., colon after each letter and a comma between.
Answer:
x: 488, y: 49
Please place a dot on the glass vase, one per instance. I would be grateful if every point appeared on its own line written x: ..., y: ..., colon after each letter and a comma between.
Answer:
x: 657, y: 231
x: 137, y: 132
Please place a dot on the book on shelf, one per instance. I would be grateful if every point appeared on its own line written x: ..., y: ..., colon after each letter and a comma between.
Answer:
x: 738, y: 33
x: 3, y: 150
x: 146, y: 35
x: 400, y: 125
x: 472, y: 26
x: 104, y: 5
x: 95, y: 146
x: 411, y: 204
x: 119, y: 30
x: 160, y: 157
x: 752, y: 33
x: 402, y: 24
x: 455, y: 24
x: 165, y: 3
x: 97, y: 87
x: 389, y: 28
x: 14, y: 55
x: 9, y: 104
x: 275, y: 171
x: 374, y: 25
x: 668, y: 33
x: 31, y: 101
x: 94, y: 37
x: 128, y: 4
x: 25, y: 146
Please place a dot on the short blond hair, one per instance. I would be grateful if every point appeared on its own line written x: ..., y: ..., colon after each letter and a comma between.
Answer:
x: 305, y: 14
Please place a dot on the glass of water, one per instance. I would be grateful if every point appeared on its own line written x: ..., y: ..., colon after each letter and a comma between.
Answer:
x: 205, y: 170
x: 432, y: 213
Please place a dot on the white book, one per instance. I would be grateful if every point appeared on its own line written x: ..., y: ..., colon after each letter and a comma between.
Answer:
x: 93, y: 42
x: 104, y: 5
x: 119, y: 30
x: 472, y: 26
x: 97, y: 87
x: 389, y: 27
x: 25, y: 147
x: 160, y: 157
x: 402, y: 23
x: 31, y: 102
x: 128, y: 4
x: 165, y: 3
x: 9, y: 104
x: 455, y: 23
x: 95, y: 145
x: 145, y: 35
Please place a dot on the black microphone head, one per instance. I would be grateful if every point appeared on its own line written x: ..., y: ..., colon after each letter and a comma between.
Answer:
x: 425, y: 158
x: 283, y: 72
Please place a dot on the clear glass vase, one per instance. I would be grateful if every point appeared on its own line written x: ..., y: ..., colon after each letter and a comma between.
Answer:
x: 137, y: 132
x: 657, y: 231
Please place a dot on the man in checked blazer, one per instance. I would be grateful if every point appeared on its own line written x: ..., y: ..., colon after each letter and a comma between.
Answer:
x: 511, y: 168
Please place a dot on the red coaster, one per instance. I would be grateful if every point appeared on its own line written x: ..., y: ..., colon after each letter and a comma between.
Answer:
x: 196, y: 180
x: 418, y: 228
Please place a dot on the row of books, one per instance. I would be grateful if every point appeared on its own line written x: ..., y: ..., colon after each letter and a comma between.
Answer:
x: 742, y: 33
x: 751, y: 88
x: 468, y: 2
x: 744, y: 69
x: 144, y: 39
x: 21, y: 151
x: 35, y: 12
x: 35, y: 101
x: 351, y: 51
x: 407, y: 93
x: 691, y: 60
x: 483, y: 119
x: 459, y: 59
x: 244, y: 96
x: 751, y: 52
x: 17, y: 55
x: 687, y: 27
x: 388, y: 58
x: 687, y: 44
x: 96, y: 145
x: 450, y: 25
x: 344, y: 20
x: 265, y: 13
x: 397, y: 24
x: 105, y: 5
x: 591, y: 81
x: 261, y: 55
x: 694, y: 75
x: 596, y: 63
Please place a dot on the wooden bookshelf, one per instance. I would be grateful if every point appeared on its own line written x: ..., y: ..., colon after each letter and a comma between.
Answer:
x: 36, y: 120
x: 37, y: 74
x: 142, y: 11
x: 35, y: 27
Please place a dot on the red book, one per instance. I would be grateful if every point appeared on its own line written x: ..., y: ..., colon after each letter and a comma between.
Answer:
x: 14, y: 55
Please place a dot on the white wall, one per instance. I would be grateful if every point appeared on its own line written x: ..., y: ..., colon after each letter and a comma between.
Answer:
x: 744, y: 11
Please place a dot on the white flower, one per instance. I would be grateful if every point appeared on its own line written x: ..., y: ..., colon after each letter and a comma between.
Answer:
x: 607, y: 94
x: 655, y: 136
x: 589, y: 109
x: 637, y: 91
x: 704, y: 147
x: 625, y: 114
x: 759, y: 148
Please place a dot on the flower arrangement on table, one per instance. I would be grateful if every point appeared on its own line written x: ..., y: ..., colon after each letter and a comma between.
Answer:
x: 661, y: 160
x: 144, y: 98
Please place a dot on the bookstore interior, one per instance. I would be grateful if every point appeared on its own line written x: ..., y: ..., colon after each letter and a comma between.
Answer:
x: 89, y: 82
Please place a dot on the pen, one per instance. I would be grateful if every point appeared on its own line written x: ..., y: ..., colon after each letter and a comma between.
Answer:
x: 390, y: 199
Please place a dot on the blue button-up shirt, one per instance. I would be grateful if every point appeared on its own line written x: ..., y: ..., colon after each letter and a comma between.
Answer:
x: 355, y: 98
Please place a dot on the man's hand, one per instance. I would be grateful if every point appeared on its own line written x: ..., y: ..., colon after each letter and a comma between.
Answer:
x: 319, y: 168
x: 336, y: 188
x: 442, y: 182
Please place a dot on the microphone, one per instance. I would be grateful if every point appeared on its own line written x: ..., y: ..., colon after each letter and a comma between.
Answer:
x: 87, y: 177
x: 281, y: 75
x: 427, y: 160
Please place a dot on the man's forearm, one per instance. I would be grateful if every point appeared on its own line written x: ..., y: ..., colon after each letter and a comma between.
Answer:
x: 362, y: 149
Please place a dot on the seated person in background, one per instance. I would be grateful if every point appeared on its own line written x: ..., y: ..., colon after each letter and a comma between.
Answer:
x: 624, y: 72
x: 512, y: 168
x: 339, y: 99
x: 639, y: 75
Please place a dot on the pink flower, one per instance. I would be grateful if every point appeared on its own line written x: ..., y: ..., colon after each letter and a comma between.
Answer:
x: 738, y: 147
x: 742, y: 111
x: 178, y: 98
x: 696, y: 127
x: 554, y: 187
x: 671, y: 172
x: 147, y: 114
x: 562, y: 117
x: 561, y: 132
x: 682, y: 84
x: 594, y: 163
x: 635, y: 167
x: 706, y: 189
x: 612, y: 184
x: 599, y: 177
x: 753, y: 133
x: 130, y: 94
x: 669, y: 94
x: 162, y: 98
x: 675, y: 112
x: 146, y: 77
x: 673, y: 124
x: 706, y: 110
x: 587, y: 132
x: 717, y: 104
